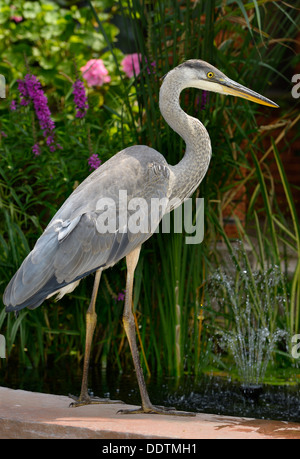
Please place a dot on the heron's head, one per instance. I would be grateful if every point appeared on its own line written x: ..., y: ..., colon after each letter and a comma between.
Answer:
x: 200, y: 74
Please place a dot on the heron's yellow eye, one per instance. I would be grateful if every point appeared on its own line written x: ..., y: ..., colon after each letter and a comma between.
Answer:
x: 210, y: 74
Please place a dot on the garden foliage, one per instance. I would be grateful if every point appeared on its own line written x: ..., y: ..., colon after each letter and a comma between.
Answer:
x: 82, y: 83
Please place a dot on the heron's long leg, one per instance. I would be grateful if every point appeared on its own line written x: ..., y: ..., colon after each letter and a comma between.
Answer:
x: 91, y: 321
x: 129, y: 325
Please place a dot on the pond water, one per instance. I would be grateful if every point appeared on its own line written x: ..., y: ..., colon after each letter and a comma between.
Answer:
x: 207, y: 394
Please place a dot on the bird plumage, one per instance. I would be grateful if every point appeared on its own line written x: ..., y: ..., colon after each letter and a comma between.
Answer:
x: 72, y: 246
x: 76, y: 241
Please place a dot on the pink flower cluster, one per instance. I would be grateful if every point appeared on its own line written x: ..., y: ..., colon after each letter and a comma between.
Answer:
x: 131, y: 64
x: 95, y: 73
x: 16, y: 18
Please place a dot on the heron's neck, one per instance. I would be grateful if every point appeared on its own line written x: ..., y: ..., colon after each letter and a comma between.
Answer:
x: 189, y: 172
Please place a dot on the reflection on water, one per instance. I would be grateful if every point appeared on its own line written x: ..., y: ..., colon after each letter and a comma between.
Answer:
x: 209, y: 394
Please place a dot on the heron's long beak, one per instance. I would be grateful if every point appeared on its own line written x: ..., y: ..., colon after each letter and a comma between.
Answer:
x: 236, y: 89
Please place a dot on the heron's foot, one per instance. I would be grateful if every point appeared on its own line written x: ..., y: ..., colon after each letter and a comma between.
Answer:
x: 155, y: 409
x: 90, y: 400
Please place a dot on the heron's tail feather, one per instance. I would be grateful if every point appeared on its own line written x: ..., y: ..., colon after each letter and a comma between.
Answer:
x: 35, y: 280
x: 32, y: 281
x: 52, y: 287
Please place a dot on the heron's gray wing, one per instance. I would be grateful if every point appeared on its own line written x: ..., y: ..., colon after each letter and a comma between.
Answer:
x: 126, y: 211
x: 73, y: 244
x: 86, y: 249
x: 136, y: 170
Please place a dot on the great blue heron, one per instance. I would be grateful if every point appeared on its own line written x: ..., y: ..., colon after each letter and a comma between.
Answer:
x: 74, y: 244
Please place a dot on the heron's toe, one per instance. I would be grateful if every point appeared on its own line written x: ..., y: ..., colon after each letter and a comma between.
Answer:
x: 90, y: 400
x: 153, y: 409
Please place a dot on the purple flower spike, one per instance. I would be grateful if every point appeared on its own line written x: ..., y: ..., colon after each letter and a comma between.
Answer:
x: 80, y: 99
x: 49, y: 140
x: 36, y: 149
x: 204, y: 99
x: 94, y: 161
x: 23, y: 92
x: 13, y: 105
x: 121, y: 296
x: 31, y: 91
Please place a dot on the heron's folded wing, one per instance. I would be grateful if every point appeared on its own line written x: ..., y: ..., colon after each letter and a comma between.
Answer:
x: 86, y: 249
x: 74, y: 243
